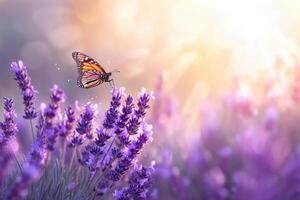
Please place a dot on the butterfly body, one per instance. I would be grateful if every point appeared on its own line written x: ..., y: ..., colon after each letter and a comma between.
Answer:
x: 91, y: 73
x: 105, y: 77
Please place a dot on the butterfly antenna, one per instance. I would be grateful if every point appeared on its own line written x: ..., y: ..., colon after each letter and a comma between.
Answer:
x: 116, y: 70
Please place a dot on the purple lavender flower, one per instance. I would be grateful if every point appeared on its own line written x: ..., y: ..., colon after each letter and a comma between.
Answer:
x: 37, y: 155
x: 111, y: 116
x: 124, y: 117
x: 76, y: 140
x: 133, y: 123
x: 139, y: 114
x: 85, y: 122
x: 139, y: 183
x: 102, y: 137
x: 122, y: 122
x: 110, y: 119
x: 57, y: 96
x: 122, y: 194
x: 8, y: 127
x: 84, y: 128
x: 67, y: 126
x: 138, y: 144
x: 31, y: 172
x: 112, y: 113
x: 34, y: 165
x: 32, y: 169
x: 40, y: 139
x: 46, y: 135
x: 126, y: 160
x: 27, y: 89
x: 5, y: 160
x: 143, y: 100
x: 50, y: 113
x: 88, y: 155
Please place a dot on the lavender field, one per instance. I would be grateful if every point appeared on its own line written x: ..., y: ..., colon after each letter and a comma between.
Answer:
x: 206, y: 105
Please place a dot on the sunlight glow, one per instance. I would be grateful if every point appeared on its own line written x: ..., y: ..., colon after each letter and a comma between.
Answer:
x: 252, y: 20
x: 251, y: 29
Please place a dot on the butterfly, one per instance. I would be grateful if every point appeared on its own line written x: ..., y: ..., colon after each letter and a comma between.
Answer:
x: 91, y: 73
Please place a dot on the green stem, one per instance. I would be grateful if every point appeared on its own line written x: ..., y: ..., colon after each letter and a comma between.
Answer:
x: 19, y: 165
x: 72, y: 158
x: 32, y: 132
x: 64, y: 152
x: 48, y: 158
x: 78, y: 168
x: 104, y: 156
x: 15, y: 156
x: 108, y: 150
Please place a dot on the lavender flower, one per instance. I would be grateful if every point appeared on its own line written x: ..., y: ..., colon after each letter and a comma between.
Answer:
x: 27, y: 89
x: 102, y: 137
x: 41, y: 139
x: 122, y: 122
x: 50, y: 113
x: 8, y: 127
x: 119, y: 131
x: 57, y: 96
x: 37, y: 155
x: 67, y: 126
x: 138, y: 144
x: 110, y: 119
x: 84, y: 127
x: 111, y: 116
x: 133, y: 122
x: 85, y: 122
x: 112, y: 113
x: 31, y: 172
x: 114, y: 159
x: 139, y: 183
x: 89, y: 155
x: 33, y: 167
x: 143, y: 100
x: 124, y: 117
x: 5, y: 160
x: 139, y: 114
x: 76, y: 140
x: 126, y: 160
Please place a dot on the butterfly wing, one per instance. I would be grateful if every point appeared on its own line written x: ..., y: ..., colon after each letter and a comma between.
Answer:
x: 86, y: 63
x: 89, y: 79
x: 89, y: 70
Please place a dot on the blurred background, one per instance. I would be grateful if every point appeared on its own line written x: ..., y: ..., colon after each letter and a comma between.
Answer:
x: 198, y: 44
x: 225, y: 73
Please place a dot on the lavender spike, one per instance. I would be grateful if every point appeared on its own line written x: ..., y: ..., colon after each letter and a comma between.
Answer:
x: 28, y: 92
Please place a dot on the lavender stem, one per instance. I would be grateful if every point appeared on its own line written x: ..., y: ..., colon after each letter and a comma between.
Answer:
x: 32, y: 132
x: 108, y: 150
x: 15, y: 156
x: 72, y: 158
x: 104, y: 156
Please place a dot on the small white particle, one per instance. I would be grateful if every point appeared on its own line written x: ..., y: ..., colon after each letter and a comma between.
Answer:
x: 58, y: 68
x: 68, y: 80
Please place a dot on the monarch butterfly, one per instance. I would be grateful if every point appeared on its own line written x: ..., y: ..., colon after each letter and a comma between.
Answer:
x: 91, y: 74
